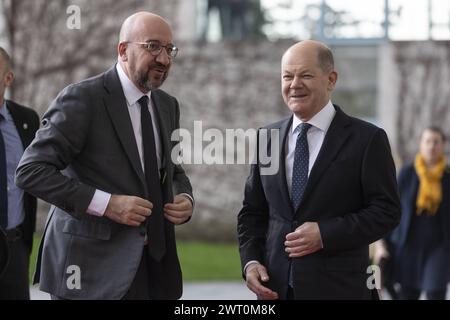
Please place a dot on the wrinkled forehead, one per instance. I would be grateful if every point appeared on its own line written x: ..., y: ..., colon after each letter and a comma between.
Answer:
x: 299, y: 60
x: 299, y: 68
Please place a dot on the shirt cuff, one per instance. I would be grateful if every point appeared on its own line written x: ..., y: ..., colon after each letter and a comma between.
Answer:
x: 187, y: 195
x: 249, y: 263
x: 98, y: 204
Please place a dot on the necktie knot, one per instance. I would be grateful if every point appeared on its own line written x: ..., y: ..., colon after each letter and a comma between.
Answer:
x: 303, y: 128
x: 143, y: 101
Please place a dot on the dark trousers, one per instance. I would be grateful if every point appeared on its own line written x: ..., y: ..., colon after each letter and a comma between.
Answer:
x: 14, y: 282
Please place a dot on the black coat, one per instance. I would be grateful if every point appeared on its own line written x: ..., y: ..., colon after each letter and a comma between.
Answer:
x: 408, y: 185
x: 351, y: 193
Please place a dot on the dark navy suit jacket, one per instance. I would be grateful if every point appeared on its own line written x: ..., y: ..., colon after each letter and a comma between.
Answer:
x: 351, y: 193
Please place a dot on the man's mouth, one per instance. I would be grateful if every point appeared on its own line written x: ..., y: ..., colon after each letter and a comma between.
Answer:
x: 161, y: 71
x: 298, y: 96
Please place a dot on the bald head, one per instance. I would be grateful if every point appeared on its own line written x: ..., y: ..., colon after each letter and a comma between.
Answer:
x: 310, y: 48
x: 135, y: 26
x: 144, y: 65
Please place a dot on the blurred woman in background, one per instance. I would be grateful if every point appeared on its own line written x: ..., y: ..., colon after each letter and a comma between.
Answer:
x: 421, y: 242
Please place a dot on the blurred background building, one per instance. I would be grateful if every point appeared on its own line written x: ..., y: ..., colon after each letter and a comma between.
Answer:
x: 393, y: 57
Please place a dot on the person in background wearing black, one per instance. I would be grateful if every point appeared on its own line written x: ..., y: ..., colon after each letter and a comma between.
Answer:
x: 18, y: 125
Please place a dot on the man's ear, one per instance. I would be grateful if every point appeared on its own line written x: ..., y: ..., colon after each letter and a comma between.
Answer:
x: 122, y: 51
x: 9, y: 78
x: 332, y: 79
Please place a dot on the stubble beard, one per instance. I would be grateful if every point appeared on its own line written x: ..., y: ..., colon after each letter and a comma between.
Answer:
x: 144, y: 81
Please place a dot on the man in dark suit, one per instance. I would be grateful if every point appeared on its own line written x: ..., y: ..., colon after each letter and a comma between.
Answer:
x: 18, y: 125
x: 304, y: 231
x: 103, y: 160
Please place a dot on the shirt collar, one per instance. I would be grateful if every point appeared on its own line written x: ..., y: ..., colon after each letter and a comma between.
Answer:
x: 321, y: 120
x: 132, y: 93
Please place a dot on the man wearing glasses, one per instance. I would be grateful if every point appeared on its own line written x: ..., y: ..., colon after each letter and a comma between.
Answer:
x: 102, y: 159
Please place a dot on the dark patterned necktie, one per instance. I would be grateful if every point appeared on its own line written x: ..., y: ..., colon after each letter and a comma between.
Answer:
x: 301, y: 165
x: 155, y: 223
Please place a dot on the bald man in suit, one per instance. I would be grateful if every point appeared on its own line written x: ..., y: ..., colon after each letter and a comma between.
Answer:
x: 304, y: 231
x: 102, y: 159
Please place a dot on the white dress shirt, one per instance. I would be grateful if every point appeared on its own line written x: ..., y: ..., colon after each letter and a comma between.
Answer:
x: 315, y: 136
x: 319, y: 127
x: 132, y: 94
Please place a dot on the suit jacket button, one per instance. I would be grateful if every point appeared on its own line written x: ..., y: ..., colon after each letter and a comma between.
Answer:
x: 142, y: 231
x: 295, y: 224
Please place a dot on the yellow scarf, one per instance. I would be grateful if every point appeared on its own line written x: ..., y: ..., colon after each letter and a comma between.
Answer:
x: 430, y: 189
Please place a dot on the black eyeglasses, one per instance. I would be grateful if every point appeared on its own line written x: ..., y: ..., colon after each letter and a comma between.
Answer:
x: 155, y: 48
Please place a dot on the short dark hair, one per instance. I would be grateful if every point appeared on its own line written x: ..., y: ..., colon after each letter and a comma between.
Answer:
x: 437, y: 130
x: 6, y: 59
x: 325, y: 58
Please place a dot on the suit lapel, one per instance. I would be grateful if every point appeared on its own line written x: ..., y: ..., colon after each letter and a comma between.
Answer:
x: 116, y: 106
x: 335, y: 138
x: 22, y: 126
x: 282, y: 182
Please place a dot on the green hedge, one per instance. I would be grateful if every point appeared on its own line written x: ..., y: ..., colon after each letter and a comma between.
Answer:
x: 199, y: 261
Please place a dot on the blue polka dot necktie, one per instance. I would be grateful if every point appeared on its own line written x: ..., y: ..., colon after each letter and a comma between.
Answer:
x: 301, y: 165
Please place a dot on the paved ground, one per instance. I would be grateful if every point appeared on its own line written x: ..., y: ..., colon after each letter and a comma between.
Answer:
x: 193, y: 291
x: 206, y: 291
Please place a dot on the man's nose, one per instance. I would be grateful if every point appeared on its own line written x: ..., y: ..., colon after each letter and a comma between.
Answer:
x: 296, y: 82
x: 163, y: 57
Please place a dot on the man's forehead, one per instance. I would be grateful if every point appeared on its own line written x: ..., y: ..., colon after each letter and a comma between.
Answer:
x: 164, y: 38
x: 153, y: 29
x: 294, y: 67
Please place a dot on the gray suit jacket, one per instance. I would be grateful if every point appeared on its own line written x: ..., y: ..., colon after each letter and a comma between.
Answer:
x: 87, y: 143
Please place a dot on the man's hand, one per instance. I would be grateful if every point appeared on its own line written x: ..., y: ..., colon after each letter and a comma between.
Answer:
x: 178, y: 211
x: 304, y: 240
x: 254, y: 274
x: 380, y: 252
x: 128, y: 210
